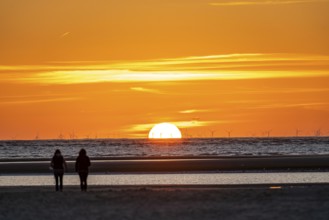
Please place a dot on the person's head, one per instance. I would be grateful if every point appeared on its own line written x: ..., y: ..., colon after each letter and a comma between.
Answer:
x: 57, y: 153
x: 82, y: 152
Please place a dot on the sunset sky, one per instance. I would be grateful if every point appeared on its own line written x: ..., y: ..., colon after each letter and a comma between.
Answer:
x: 115, y: 68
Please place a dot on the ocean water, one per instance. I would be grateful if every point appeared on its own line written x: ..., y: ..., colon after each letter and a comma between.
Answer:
x: 103, y: 148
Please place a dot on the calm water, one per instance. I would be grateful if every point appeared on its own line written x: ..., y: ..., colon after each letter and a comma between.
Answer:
x: 184, y: 147
x: 172, y: 179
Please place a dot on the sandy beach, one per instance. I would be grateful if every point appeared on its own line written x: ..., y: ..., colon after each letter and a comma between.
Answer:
x: 209, y: 195
x: 166, y: 202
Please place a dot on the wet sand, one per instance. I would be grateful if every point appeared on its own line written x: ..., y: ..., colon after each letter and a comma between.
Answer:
x: 176, y: 164
x: 172, y: 179
x: 167, y: 202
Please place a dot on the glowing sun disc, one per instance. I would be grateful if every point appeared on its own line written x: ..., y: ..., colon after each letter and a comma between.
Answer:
x: 165, y: 130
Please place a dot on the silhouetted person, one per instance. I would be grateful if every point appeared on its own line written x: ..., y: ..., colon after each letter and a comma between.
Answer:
x: 59, y: 166
x: 82, y: 167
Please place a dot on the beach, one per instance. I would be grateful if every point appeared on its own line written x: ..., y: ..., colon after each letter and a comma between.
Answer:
x: 285, y: 187
x: 166, y: 202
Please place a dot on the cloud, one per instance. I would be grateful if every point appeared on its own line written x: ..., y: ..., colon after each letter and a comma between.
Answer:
x: 179, y: 124
x: 263, y: 2
x: 140, y: 127
x: 65, y: 34
x: 194, y: 123
x: 190, y: 111
x: 141, y: 89
x: 193, y: 63
x: 33, y: 101
x: 289, y: 105
x: 213, y: 67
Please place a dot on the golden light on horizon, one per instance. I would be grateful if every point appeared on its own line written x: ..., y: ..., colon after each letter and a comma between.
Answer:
x: 165, y: 131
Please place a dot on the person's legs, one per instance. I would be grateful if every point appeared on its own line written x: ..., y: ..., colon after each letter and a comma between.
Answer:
x: 81, y: 180
x: 61, y: 181
x: 56, y: 180
x: 85, y: 180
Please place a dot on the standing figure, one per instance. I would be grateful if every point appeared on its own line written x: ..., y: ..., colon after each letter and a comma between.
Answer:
x: 58, y: 165
x: 81, y: 166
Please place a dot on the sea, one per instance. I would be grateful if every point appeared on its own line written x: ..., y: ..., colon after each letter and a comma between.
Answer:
x: 194, y: 147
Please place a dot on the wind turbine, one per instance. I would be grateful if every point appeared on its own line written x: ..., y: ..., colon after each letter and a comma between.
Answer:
x: 297, y: 132
x: 317, y: 132
x: 212, y: 132
x: 268, y: 132
x: 73, y: 135
x: 228, y: 133
x: 60, y: 136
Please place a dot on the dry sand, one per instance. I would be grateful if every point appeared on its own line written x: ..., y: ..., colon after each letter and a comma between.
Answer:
x: 166, y: 202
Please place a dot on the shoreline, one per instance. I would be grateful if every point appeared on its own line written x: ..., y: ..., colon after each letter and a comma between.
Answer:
x: 188, y: 157
x: 169, y: 164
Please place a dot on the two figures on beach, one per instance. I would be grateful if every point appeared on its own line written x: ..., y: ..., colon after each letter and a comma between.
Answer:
x: 59, y: 166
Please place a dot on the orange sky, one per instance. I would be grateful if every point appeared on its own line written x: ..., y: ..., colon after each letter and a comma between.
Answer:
x: 111, y: 68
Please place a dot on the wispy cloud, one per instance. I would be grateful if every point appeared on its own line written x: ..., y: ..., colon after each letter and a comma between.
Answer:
x: 142, y: 89
x: 179, y: 124
x: 263, y: 2
x: 65, y: 34
x: 190, y: 111
x: 34, y: 101
x: 214, y: 67
x: 139, y: 127
x: 195, y: 123
x: 95, y: 76
x: 289, y: 105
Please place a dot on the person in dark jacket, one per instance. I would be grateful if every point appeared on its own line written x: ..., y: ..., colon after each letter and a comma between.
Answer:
x: 82, y: 167
x: 59, y: 166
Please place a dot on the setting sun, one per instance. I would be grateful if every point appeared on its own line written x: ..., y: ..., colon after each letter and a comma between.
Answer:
x: 163, y: 61
x: 165, y: 130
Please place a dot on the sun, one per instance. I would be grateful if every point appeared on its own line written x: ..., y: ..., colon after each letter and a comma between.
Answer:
x: 165, y: 130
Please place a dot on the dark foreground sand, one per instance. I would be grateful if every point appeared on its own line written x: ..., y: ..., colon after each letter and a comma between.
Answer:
x: 166, y: 202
